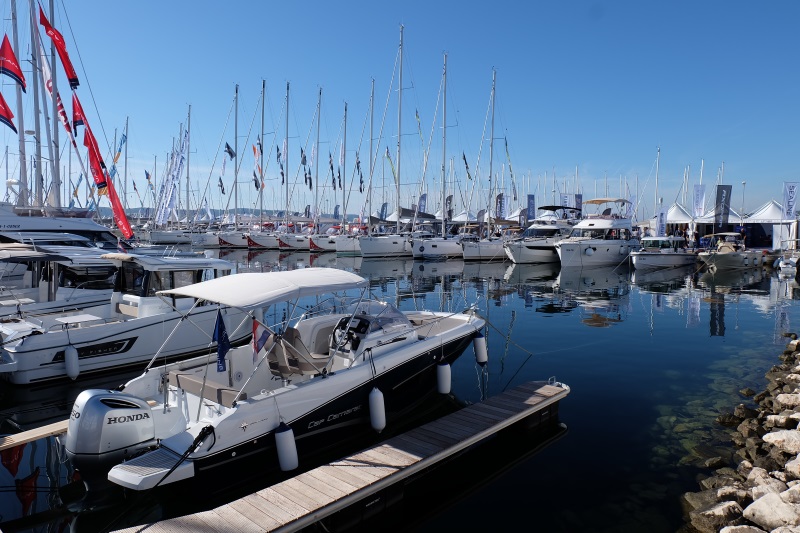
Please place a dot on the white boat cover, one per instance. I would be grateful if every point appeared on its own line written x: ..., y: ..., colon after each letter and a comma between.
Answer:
x: 260, y: 289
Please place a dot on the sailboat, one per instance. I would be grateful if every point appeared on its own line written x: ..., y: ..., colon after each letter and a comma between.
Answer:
x: 393, y: 244
x: 491, y: 247
x: 324, y: 242
x: 443, y: 246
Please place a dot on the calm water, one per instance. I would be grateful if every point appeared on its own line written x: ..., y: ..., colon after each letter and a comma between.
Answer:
x: 651, y: 360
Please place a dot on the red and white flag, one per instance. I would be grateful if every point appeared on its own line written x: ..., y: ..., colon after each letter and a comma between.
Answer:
x: 260, y: 336
x: 78, y: 118
x: 9, y: 64
x: 6, y: 116
x: 61, y: 48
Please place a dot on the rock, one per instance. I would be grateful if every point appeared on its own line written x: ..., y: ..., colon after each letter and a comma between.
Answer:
x: 691, y: 501
x: 729, y: 420
x: 788, y: 401
x: 793, y: 468
x: 714, y: 462
x: 791, y: 495
x: 770, y: 512
x: 749, y: 393
x: 741, y: 529
x: 786, y: 440
x: 712, y: 519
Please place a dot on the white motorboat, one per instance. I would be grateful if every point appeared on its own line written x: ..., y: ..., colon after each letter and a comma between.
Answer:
x: 599, y: 239
x: 123, y: 332
x: 537, y: 244
x: 728, y: 251
x: 663, y: 252
x: 343, y: 368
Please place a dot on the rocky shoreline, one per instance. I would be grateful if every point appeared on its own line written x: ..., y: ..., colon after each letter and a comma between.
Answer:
x: 762, y: 493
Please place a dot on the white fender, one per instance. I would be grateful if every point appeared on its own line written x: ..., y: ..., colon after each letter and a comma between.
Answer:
x: 443, y: 373
x: 589, y: 251
x: 72, y: 362
x: 287, y: 448
x: 377, y: 412
x: 479, y: 345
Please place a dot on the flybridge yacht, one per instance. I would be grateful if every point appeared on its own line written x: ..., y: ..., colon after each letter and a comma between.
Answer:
x: 603, y: 238
x: 537, y: 244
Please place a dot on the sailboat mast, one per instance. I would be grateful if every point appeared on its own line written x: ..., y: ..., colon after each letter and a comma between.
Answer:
x: 125, y: 177
x: 491, y: 156
x: 655, y: 200
x: 261, y: 161
x: 188, y: 152
x: 55, y: 151
x: 316, y: 168
x: 344, y: 166
x: 371, y: 156
x: 444, y: 153
x: 286, y: 155
x: 22, y: 197
x: 236, y: 159
x: 399, y: 129
x: 37, y: 143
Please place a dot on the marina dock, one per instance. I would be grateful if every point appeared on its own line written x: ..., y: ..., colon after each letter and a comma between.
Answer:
x: 365, y: 477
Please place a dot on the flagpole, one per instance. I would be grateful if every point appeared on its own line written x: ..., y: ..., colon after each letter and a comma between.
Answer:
x: 236, y: 161
x: 371, y: 156
x: 22, y: 196
x: 261, y: 163
x: 399, y: 130
x: 316, y: 168
x: 125, y: 177
x: 286, y: 156
x: 344, y: 166
x: 188, y: 152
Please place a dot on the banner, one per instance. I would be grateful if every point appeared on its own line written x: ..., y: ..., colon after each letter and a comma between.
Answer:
x: 661, y: 223
x: 448, y: 207
x: 565, y: 200
x: 500, y: 206
x: 723, y: 206
x: 579, y: 202
x: 61, y: 48
x: 384, y: 208
x: 699, y: 200
x: 336, y: 211
x: 531, y: 213
x: 423, y: 203
x: 789, y: 199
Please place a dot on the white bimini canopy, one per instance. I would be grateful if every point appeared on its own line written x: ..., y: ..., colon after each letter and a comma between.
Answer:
x: 259, y: 289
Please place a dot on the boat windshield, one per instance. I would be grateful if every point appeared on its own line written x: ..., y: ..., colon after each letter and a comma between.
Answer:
x: 383, y: 314
x: 540, y: 232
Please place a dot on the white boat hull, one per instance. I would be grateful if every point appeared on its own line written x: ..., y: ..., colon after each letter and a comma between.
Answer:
x: 541, y: 250
x: 348, y: 245
x: 654, y: 260
x: 731, y: 260
x: 385, y: 246
x: 594, y: 252
x: 322, y: 243
x: 488, y: 250
x: 264, y: 240
x: 293, y: 241
x: 436, y: 248
x: 232, y: 239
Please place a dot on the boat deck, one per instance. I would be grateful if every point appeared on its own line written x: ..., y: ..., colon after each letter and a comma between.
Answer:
x: 311, y: 496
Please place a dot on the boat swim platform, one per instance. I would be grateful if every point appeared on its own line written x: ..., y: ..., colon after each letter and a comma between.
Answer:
x: 307, y: 498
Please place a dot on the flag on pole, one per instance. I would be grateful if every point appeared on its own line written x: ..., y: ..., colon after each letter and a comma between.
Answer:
x: 229, y: 151
x: 61, y: 48
x: 6, y: 116
x: 260, y: 336
x: 464, y: 156
x: 391, y: 164
x: 78, y: 118
x: 223, y: 342
x: 221, y: 185
x: 9, y: 64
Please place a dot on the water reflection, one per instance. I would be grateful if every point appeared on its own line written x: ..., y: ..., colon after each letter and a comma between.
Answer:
x: 601, y: 330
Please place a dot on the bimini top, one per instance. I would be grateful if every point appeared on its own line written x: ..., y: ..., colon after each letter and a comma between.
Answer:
x: 169, y: 262
x: 260, y: 289
x: 598, y: 201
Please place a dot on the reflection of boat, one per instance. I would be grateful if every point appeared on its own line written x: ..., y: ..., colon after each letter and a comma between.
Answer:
x: 663, y: 252
x: 372, y: 268
x: 294, y: 259
x: 727, y: 251
x: 663, y: 279
x: 722, y: 280
x: 321, y: 260
x: 604, y: 282
x: 476, y: 270
x: 123, y: 332
x: 351, y: 263
x: 450, y: 267
x: 338, y: 370
x: 533, y: 274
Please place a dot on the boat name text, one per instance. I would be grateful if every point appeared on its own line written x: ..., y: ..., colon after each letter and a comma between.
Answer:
x: 334, y: 416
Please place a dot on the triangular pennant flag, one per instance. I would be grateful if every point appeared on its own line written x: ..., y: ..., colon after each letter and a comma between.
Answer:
x: 9, y: 64
x: 6, y: 115
x: 61, y: 48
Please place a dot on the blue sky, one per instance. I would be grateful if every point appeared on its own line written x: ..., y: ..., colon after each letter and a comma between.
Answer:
x: 586, y: 88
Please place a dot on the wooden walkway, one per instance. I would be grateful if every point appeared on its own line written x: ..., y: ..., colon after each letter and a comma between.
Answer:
x: 309, y: 497
x: 10, y: 441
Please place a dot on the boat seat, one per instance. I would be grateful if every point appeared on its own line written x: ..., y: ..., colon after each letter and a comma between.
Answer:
x: 127, y: 309
x: 216, y: 392
x: 290, y: 356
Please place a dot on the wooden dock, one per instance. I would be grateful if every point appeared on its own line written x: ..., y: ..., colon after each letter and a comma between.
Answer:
x: 319, y: 493
x: 10, y: 441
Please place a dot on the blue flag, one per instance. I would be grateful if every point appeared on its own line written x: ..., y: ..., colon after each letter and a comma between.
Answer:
x: 223, y: 342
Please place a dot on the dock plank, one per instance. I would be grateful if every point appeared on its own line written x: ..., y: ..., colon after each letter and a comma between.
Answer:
x: 10, y: 441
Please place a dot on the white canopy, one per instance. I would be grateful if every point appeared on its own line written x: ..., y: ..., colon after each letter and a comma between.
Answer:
x: 260, y: 289
x: 769, y: 213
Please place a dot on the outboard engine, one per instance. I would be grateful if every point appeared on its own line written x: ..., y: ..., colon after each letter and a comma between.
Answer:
x: 107, y: 426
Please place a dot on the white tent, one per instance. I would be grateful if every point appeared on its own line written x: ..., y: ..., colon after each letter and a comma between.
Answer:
x: 677, y: 214
x: 770, y: 216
